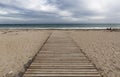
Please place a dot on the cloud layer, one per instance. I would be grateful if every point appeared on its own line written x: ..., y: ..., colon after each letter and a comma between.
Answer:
x: 59, y: 11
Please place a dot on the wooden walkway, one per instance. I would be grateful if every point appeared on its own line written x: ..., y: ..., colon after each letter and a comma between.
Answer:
x: 60, y: 57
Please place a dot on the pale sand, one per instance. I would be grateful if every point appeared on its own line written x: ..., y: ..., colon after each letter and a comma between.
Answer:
x: 103, y: 48
x: 17, y: 48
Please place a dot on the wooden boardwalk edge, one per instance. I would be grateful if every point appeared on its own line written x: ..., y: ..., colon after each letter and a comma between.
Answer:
x: 60, y: 56
x: 86, y: 56
x: 27, y: 65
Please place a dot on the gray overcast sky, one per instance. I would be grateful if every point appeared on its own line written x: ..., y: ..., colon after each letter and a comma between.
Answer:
x: 59, y: 11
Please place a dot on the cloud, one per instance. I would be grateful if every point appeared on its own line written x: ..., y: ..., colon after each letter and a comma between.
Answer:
x: 97, y: 17
x: 8, y: 11
x: 59, y: 11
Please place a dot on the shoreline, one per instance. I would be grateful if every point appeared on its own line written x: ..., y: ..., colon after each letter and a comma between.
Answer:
x: 62, y: 28
x: 68, y: 29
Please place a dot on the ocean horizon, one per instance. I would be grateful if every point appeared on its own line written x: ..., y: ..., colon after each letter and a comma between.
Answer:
x: 59, y: 26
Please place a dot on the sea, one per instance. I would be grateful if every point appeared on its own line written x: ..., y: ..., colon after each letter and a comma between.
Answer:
x: 59, y: 26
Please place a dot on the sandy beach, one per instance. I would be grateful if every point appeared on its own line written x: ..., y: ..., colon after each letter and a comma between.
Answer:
x: 103, y: 48
x: 17, y: 47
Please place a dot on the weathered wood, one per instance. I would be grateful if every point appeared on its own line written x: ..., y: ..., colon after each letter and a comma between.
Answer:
x: 60, y: 57
x: 63, y: 63
x: 62, y: 75
x: 62, y: 70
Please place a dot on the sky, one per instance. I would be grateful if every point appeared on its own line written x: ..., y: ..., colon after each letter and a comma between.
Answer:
x: 59, y: 11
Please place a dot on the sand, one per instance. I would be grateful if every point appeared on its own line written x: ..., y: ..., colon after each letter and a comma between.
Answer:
x: 103, y: 48
x: 17, y: 48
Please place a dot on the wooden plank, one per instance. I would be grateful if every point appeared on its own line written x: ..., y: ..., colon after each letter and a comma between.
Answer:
x: 60, y: 57
x: 68, y: 52
x: 61, y: 53
x: 62, y: 75
x: 62, y: 67
x: 63, y: 58
x: 37, y: 61
x: 62, y: 63
x: 64, y: 70
x: 60, y: 45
